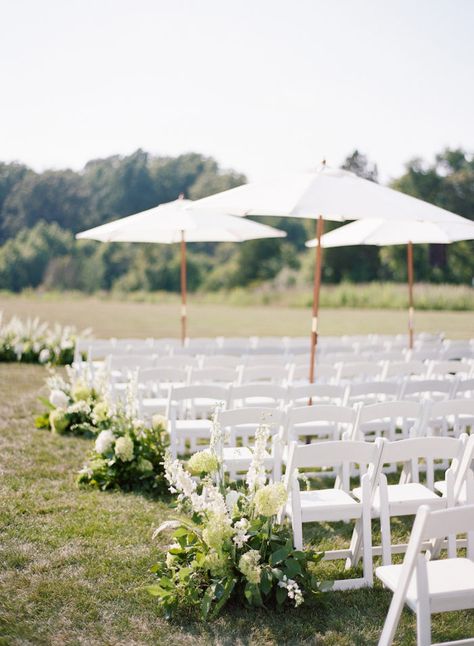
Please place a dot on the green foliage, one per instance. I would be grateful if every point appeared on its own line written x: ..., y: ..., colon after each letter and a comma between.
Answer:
x: 127, y: 455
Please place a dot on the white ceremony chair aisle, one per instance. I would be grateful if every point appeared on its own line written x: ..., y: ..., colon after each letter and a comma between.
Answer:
x: 434, y: 586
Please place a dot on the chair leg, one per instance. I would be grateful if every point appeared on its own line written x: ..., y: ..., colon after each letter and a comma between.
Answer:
x: 385, y: 523
x: 367, y: 531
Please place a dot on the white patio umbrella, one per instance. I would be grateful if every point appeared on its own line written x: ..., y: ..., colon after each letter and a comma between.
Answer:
x: 327, y: 193
x: 386, y: 232
x: 173, y: 222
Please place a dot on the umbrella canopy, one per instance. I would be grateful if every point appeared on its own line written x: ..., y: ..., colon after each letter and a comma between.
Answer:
x: 167, y: 222
x: 326, y: 193
x: 332, y: 193
x: 174, y: 222
x: 387, y: 232
x: 384, y: 232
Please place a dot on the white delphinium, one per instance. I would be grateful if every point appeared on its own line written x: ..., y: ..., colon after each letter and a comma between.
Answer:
x: 131, y: 402
x: 80, y: 406
x: 256, y: 475
x: 241, y: 527
x: 218, y: 436
x: 293, y: 590
x: 180, y: 480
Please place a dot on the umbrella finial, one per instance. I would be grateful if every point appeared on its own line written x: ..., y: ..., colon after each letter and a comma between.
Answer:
x: 323, y: 163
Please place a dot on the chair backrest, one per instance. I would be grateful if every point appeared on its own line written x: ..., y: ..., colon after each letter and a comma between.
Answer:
x: 385, y: 418
x: 359, y: 370
x: 428, y: 525
x: 299, y: 395
x: 464, y: 388
x: 323, y: 372
x: 272, y: 374
x: 213, y: 375
x: 184, y: 400
x: 243, y: 422
x: 404, y: 369
x: 426, y: 388
x: 274, y: 359
x: 449, y: 417
x: 447, y: 368
x: 372, y: 392
x: 128, y: 362
x: 417, y: 451
x: 220, y: 361
x: 332, y: 419
x: 259, y: 394
x: 341, y: 453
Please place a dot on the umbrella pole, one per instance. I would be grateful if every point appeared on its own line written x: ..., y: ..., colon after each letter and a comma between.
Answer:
x: 411, y: 311
x: 316, y: 289
x: 183, y: 289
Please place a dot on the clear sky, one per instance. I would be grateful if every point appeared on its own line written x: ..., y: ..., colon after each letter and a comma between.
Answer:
x: 264, y: 86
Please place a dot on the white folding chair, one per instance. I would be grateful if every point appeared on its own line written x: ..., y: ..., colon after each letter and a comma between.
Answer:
x: 434, y: 586
x: 359, y: 371
x: 317, y: 393
x: 323, y: 373
x: 404, y: 499
x: 336, y: 503
x: 240, y: 426
x: 458, y: 484
x: 448, y: 369
x: 418, y: 389
x: 372, y: 392
x: 401, y: 369
x: 274, y: 374
x: 392, y: 420
x: 213, y: 375
x: 322, y: 421
x: 259, y: 394
x: 187, y: 412
x: 450, y: 417
x: 463, y: 388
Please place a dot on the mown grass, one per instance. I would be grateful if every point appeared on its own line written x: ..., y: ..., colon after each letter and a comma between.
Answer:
x: 124, y: 318
x: 73, y: 562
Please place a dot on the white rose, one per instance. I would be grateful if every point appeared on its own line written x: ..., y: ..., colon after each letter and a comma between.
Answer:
x: 58, y: 398
x: 104, y: 441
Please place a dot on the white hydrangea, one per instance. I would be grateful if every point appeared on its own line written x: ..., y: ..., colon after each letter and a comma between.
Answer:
x: 124, y: 449
x: 58, y: 398
x: 249, y: 566
x: 104, y: 441
x: 292, y: 589
x: 270, y: 499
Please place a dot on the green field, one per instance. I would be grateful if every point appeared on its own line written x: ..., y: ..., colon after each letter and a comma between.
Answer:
x: 74, y: 562
x: 125, y: 318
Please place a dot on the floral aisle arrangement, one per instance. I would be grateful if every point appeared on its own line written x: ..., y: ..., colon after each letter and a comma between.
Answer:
x: 231, y: 545
x: 128, y: 455
x: 31, y: 341
x: 74, y: 407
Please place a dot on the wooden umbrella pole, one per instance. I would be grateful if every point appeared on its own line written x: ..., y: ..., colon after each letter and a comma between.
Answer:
x: 316, y: 289
x: 183, y: 289
x: 411, y: 311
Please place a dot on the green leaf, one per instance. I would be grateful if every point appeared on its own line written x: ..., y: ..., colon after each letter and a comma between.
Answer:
x: 46, y: 403
x: 207, y: 601
x: 281, y: 595
x: 280, y: 555
x: 227, y: 591
x: 292, y: 568
x: 155, y: 590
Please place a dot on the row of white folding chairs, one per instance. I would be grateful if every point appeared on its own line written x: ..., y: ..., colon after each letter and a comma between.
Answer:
x: 238, y: 370
x: 375, y: 497
x: 155, y: 385
x: 187, y: 410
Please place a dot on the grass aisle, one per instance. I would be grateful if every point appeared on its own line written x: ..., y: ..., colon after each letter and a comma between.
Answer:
x: 72, y: 562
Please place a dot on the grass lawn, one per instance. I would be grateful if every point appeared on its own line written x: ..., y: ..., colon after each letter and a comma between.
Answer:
x: 121, y: 318
x: 73, y: 562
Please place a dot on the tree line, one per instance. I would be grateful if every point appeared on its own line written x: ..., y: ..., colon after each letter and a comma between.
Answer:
x: 41, y: 212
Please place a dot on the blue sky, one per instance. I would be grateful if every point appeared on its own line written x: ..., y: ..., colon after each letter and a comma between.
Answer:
x: 265, y: 86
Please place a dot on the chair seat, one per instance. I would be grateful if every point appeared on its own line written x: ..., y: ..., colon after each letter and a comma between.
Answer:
x: 327, y: 504
x: 450, y: 583
x: 441, y: 487
x: 316, y: 428
x: 154, y: 404
x: 404, y: 499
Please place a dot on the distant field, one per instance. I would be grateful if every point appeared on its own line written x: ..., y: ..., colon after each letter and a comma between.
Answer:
x: 110, y: 317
